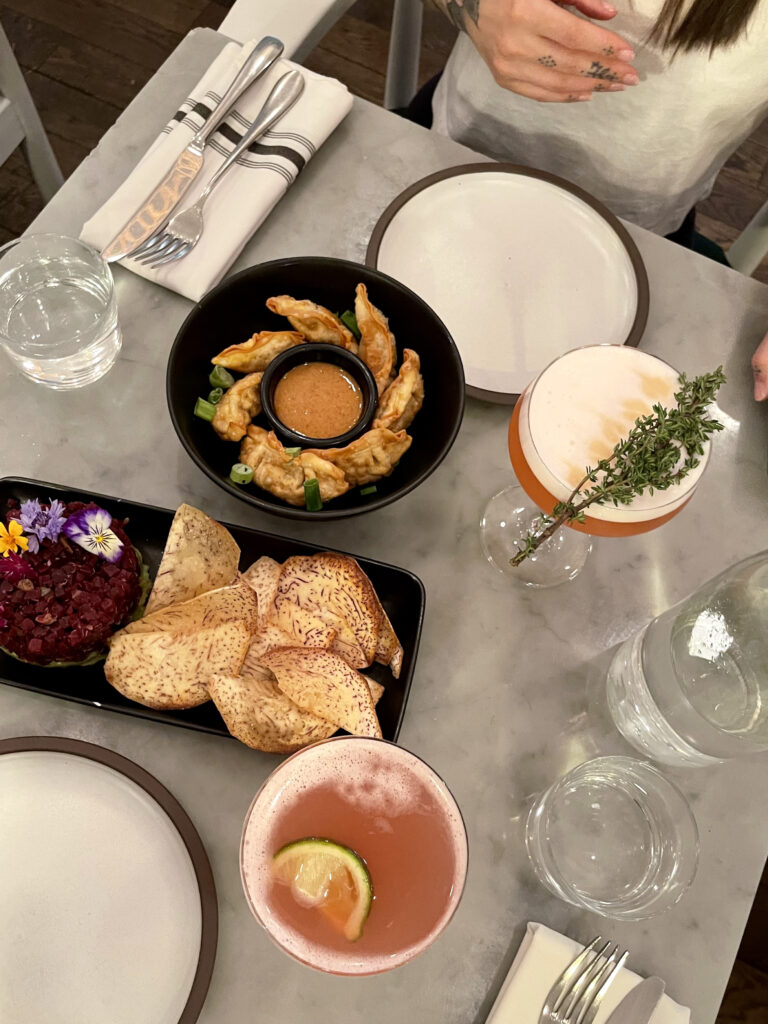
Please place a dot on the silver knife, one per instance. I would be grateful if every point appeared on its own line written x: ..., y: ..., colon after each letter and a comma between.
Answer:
x: 158, y: 206
x: 638, y: 1005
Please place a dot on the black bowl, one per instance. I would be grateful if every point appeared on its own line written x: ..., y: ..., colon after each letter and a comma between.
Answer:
x: 233, y: 311
x: 318, y: 353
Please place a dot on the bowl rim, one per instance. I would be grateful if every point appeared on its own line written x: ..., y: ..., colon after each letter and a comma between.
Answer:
x: 328, y: 512
x: 337, y: 356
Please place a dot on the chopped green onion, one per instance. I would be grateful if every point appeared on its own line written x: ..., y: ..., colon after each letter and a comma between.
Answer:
x: 349, y: 319
x: 368, y: 490
x: 205, y: 410
x: 241, y: 474
x: 216, y: 396
x: 293, y: 452
x: 312, y: 495
x: 221, y: 378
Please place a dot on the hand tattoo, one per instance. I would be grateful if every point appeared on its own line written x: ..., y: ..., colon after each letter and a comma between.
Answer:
x: 548, y: 62
x: 609, y: 51
x: 598, y: 70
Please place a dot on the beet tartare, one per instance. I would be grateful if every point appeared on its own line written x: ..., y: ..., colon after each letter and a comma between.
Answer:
x: 69, y: 578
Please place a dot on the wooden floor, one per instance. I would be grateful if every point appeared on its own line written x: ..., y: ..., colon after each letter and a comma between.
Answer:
x: 85, y: 60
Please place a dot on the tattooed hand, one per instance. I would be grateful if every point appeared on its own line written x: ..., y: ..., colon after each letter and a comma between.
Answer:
x: 760, y: 370
x: 537, y: 49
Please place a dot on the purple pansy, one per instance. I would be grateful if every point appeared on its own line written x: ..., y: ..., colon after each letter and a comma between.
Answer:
x: 90, y: 529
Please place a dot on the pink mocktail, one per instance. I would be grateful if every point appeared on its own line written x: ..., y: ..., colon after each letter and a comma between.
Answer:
x: 397, y: 815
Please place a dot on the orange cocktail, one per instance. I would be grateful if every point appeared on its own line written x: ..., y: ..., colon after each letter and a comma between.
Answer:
x: 573, y: 414
x: 380, y: 807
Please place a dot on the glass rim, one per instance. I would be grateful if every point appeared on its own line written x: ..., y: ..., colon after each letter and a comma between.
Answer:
x: 34, y: 236
x: 460, y: 876
x: 620, y: 510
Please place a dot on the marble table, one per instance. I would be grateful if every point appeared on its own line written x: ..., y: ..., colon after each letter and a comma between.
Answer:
x: 507, y: 691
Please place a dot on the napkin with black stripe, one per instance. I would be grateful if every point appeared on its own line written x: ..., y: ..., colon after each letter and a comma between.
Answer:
x: 248, y: 191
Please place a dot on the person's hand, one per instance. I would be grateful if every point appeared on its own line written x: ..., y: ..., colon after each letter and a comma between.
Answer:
x: 760, y: 370
x: 537, y: 49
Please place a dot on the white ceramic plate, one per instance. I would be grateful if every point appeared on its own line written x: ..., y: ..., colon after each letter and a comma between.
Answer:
x: 102, y: 915
x: 520, y: 266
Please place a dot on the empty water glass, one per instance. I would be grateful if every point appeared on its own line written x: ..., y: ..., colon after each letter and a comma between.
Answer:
x: 691, y: 688
x: 58, y: 313
x: 614, y: 836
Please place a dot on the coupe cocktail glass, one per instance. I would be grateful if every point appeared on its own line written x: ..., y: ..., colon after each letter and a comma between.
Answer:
x: 396, y: 814
x: 571, y: 416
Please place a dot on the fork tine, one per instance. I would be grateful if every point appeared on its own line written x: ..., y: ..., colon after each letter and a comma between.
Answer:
x: 148, y: 243
x: 179, y: 254
x: 579, y: 974
x: 587, y: 1014
x: 587, y: 984
x: 578, y: 1006
x: 160, y: 246
x: 574, y: 967
x: 161, y: 255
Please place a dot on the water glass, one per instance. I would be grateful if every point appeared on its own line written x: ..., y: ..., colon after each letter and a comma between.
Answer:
x: 691, y: 688
x: 614, y: 836
x: 58, y: 313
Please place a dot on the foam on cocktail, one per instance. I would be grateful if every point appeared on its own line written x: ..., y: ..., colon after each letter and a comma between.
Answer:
x: 396, y: 813
x: 580, y: 406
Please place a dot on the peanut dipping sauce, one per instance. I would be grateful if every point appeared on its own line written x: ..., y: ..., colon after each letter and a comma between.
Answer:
x: 318, y: 400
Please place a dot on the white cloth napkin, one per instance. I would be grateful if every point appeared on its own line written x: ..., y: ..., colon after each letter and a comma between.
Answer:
x: 541, y: 959
x: 248, y: 191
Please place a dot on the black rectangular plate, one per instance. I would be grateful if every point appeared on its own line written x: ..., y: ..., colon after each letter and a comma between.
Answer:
x: 400, y: 592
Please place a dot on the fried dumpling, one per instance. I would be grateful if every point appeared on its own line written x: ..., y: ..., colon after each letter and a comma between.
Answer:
x: 258, y: 352
x: 404, y: 396
x: 370, y: 457
x: 377, y: 342
x: 283, y: 475
x: 273, y: 470
x: 238, y: 406
x: 316, y: 323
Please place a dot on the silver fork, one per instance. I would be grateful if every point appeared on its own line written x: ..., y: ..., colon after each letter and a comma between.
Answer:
x: 185, y: 228
x: 576, y: 995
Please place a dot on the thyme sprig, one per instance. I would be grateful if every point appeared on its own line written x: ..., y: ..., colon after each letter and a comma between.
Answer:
x: 660, y: 450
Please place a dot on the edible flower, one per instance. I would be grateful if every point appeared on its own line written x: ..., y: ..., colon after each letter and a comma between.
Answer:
x: 14, y: 568
x: 42, y: 523
x: 90, y: 529
x: 12, y: 538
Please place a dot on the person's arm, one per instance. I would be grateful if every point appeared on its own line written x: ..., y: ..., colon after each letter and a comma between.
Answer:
x: 760, y: 370
x: 537, y: 49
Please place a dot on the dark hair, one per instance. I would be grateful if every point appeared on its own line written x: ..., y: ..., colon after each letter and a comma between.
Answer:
x: 706, y: 24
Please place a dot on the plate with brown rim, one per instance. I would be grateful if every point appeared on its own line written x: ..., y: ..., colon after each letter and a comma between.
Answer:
x: 520, y: 265
x: 109, y: 903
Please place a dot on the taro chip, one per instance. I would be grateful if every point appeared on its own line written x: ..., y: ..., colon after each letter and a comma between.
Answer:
x: 171, y: 670
x: 200, y: 555
x: 322, y: 683
x: 263, y: 576
x: 259, y: 714
x: 237, y: 603
x: 335, y: 589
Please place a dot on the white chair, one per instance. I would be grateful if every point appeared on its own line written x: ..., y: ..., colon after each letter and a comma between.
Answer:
x: 751, y: 247
x: 20, y: 124
x: 301, y: 24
